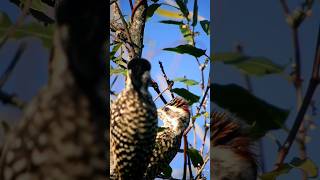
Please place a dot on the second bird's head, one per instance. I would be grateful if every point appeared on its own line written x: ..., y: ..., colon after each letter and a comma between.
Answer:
x: 139, y: 74
x: 175, y: 114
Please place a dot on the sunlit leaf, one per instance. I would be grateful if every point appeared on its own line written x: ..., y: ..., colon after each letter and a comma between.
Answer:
x: 118, y: 71
x: 195, y: 157
x: 186, y: 32
x: 257, y: 66
x: 169, y: 13
x: 205, y: 24
x: 188, y: 82
x: 261, y: 115
x: 151, y: 9
x: 190, y: 97
x: 187, y: 49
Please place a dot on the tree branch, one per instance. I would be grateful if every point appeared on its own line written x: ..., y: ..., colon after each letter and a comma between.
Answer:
x: 314, y: 81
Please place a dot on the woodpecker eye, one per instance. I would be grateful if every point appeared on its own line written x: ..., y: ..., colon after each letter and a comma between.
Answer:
x: 166, y: 109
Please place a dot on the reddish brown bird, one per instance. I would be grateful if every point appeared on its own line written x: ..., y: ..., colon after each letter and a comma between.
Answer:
x: 232, y: 157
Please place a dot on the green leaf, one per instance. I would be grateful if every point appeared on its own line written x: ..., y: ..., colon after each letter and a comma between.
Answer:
x: 186, y: 32
x: 27, y: 30
x: 195, y: 116
x: 256, y: 112
x: 306, y: 165
x: 183, y: 8
x: 172, y: 22
x: 256, y: 66
x: 190, y: 97
x: 117, y: 71
x: 114, y: 50
x: 166, y: 170
x: 39, y: 9
x: 205, y: 24
x: 151, y: 9
x: 187, y: 49
x: 188, y: 82
x: 195, y: 13
x: 195, y: 157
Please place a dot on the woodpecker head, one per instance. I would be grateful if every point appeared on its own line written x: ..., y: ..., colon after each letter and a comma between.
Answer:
x: 138, y: 75
x: 231, y: 149
x: 175, y: 115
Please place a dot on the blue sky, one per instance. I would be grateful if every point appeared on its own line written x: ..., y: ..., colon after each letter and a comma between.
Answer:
x: 158, y: 36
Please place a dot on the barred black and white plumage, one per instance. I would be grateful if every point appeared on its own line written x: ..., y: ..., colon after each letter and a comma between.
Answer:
x: 176, y: 117
x: 133, y: 124
x: 231, y: 154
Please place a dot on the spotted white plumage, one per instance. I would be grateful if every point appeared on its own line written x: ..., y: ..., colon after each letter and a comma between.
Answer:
x: 175, y: 116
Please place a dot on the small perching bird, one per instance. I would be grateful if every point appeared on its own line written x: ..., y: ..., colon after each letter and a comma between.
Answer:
x: 61, y: 133
x: 175, y: 116
x: 231, y: 154
x: 133, y: 124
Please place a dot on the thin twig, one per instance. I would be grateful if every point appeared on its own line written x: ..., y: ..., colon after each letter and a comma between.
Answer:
x: 11, y: 99
x: 189, y: 164
x: 185, y: 149
x: 131, y: 5
x: 198, y: 108
x: 5, y: 76
x: 155, y: 86
x: 160, y: 94
x: 285, y: 7
x: 169, y: 83
x: 202, y: 167
x: 314, y: 81
x: 206, y: 128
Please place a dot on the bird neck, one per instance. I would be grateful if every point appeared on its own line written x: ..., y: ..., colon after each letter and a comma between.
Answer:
x: 176, y: 125
x: 138, y: 86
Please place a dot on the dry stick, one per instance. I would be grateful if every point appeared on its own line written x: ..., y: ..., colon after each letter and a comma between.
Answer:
x: 202, y: 167
x: 160, y: 94
x: 314, y: 81
x: 5, y: 76
x: 169, y: 83
x: 298, y: 87
x: 155, y: 86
